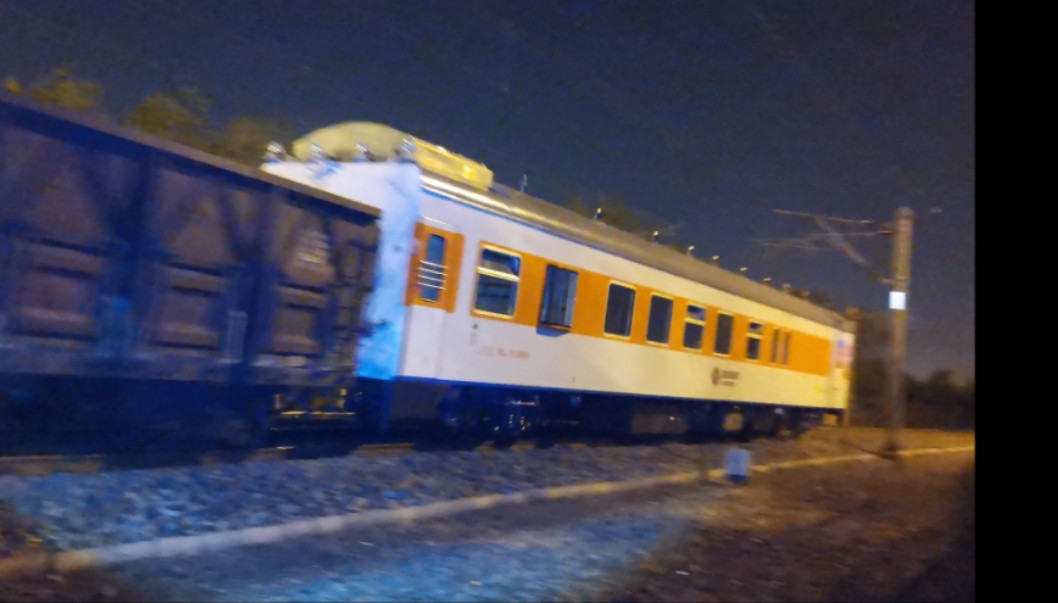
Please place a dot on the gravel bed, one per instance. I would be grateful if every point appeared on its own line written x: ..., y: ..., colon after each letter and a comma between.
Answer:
x: 871, y: 531
x: 70, y: 511
x: 520, y: 555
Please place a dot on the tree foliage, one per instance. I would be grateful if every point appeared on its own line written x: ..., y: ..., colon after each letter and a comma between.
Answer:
x: 246, y: 138
x: 12, y: 85
x: 940, y: 386
x: 61, y: 87
x: 180, y: 115
x: 72, y: 93
x: 184, y: 116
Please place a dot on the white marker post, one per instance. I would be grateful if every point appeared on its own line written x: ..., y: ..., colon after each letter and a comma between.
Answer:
x: 736, y: 466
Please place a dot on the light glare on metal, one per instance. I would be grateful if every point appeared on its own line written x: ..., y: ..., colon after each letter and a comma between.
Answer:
x: 362, y: 153
x: 274, y: 152
x: 406, y: 151
x: 316, y: 153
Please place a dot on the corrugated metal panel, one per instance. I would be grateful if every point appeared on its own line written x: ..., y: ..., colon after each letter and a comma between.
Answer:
x: 122, y: 255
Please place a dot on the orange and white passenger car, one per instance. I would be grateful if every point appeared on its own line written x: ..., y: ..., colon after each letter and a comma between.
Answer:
x: 494, y: 310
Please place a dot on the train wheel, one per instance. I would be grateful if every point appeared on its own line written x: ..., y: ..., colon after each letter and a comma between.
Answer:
x: 695, y: 436
x: 746, y: 433
x: 773, y: 424
x: 735, y: 425
x: 545, y: 441
x: 462, y: 441
x: 794, y: 427
x: 245, y: 434
x: 504, y: 441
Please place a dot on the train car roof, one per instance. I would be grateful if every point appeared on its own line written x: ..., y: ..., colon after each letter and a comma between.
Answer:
x: 568, y: 224
x: 344, y: 142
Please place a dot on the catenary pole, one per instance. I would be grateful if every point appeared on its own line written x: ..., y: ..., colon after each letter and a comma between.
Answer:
x: 901, y: 276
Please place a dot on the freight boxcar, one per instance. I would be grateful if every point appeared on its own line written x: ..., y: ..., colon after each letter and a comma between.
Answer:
x: 151, y: 291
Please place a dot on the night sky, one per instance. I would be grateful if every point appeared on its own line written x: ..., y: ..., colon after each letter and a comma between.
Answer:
x: 709, y: 114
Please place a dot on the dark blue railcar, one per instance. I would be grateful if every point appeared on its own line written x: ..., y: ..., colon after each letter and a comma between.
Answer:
x: 148, y: 289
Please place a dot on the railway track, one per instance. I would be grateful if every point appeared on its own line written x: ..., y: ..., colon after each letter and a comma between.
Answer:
x: 47, y: 464
x: 294, y: 441
x: 39, y: 465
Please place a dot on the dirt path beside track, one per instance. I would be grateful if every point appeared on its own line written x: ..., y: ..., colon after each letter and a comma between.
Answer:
x: 877, y: 531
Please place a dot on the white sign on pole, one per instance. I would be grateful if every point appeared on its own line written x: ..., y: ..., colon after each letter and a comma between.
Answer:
x: 897, y: 300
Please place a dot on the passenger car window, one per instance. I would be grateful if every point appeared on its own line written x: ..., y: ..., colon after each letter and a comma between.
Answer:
x: 724, y: 326
x: 560, y: 292
x: 660, y: 321
x: 498, y: 276
x: 432, y: 270
x: 694, y: 327
x: 753, y: 337
x: 619, y: 304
